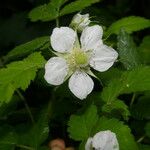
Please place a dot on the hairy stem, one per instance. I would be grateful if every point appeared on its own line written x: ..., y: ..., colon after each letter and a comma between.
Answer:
x: 132, y: 100
x: 26, y: 105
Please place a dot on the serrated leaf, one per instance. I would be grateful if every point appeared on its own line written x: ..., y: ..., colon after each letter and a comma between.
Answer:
x: 118, y: 107
x: 130, y: 24
x: 46, y: 12
x: 144, y: 50
x: 27, y: 48
x: 50, y: 11
x: 127, y: 50
x: 77, y: 6
x: 130, y: 81
x: 19, y: 75
x: 80, y: 126
x: 123, y: 132
x: 147, y: 129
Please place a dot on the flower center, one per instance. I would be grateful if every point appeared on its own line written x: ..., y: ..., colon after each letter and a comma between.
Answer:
x: 78, y: 58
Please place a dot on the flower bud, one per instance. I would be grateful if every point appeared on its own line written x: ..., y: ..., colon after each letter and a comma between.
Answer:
x: 104, y: 140
x: 79, y: 22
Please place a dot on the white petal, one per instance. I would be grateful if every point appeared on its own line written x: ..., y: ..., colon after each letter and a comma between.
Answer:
x: 88, y: 144
x: 105, y: 140
x: 62, y: 39
x: 81, y: 84
x: 91, y: 37
x: 103, y: 58
x: 56, y: 70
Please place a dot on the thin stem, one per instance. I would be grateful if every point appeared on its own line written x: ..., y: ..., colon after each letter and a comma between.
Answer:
x: 141, y: 139
x: 26, y: 105
x: 24, y: 147
x: 133, y: 98
x: 57, y: 21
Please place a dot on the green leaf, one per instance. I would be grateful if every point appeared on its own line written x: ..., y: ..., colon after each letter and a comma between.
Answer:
x: 123, y: 132
x: 50, y: 11
x: 46, y: 12
x: 19, y: 75
x: 77, y: 6
x: 144, y: 50
x: 35, y: 135
x: 144, y: 147
x: 147, y: 129
x: 108, y: 75
x: 8, y: 138
x: 140, y: 110
x: 39, y: 132
x: 80, y: 126
x: 27, y: 48
x: 118, y: 107
x: 127, y: 50
x: 130, y: 24
x: 130, y: 81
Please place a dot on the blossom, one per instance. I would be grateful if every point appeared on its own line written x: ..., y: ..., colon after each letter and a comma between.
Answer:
x: 80, y: 22
x: 75, y: 59
x: 104, y: 140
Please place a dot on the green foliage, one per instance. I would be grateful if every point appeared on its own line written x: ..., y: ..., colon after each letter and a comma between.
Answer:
x: 127, y: 50
x: 120, y: 100
x: 52, y: 10
x: 144, y: 147
x: 130, y: 24
x: 77, y: 6
x: 19, y: 74
x: 37, y: 133
x: 8, y: 138
x: 144, y: 50
x: 123, y: 133
x: 27, y: 48
x: 44, y: 12
x: 130, y: 81
x: 141, y: 110
x: 80, y: 126
x: 147, y: 129
x: 118, y: 107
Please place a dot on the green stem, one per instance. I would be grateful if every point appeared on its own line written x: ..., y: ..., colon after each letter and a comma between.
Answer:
x: 24, y: 147
x: 26, y: 105
x: 132, y: 100
x: 141, y: 139
x: 57, y: 21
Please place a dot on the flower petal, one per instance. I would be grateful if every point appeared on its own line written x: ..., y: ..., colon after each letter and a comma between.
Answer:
x: 103, y: 58
x: 81, y: 84
x: 105, y: 140
x: 62, y: 39
x: 56, y: 70
x: 91, y: 37
x: 88, y: 145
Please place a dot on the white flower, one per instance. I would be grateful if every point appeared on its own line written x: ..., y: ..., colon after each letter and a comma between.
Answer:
x: 80, y: 21
x: 76, y: 59
x: 104, y: 140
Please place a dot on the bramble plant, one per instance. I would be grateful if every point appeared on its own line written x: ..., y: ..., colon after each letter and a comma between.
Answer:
x: 84, y: 83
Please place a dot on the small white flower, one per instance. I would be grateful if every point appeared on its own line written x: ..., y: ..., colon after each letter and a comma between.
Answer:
x: 104, y: 140
x: 76, y: 59
x: 80, y: 22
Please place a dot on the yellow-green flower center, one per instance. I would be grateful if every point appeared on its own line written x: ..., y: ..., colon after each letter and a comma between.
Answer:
x: 78, y: 58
